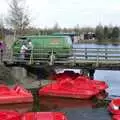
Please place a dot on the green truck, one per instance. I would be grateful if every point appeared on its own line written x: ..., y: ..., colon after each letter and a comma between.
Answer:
x: 44, y: 46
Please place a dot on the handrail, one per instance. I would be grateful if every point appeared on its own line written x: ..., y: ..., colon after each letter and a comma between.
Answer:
x: 70, y: 56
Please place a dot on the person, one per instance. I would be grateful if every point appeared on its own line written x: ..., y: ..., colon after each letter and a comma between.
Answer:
x: 23, y: 51
x: 30, y: 48
x: 30, y: 45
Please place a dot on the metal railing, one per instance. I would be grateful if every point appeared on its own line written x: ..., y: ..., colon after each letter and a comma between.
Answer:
x: 37, y: 56
x: 80, y: 55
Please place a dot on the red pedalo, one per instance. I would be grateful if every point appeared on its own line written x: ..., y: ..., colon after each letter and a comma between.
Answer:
x: 67, y: 89
x: 116, y: 117
x: 18, y: 94
x: 79, y: 79
x: 114, y: 106
x: 100, y: 85
x: 9, y: 115
x: 12, y: 115
x: 70, y: 84
x: 44, y: 116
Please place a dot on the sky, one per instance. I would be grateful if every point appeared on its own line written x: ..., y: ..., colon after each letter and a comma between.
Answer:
x: 69, y: 13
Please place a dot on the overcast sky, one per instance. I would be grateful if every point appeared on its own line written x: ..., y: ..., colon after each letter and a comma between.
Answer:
x: 68, y: 13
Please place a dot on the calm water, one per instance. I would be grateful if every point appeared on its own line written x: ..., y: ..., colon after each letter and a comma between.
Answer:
x: 96, y: 46
x: 76, y: 109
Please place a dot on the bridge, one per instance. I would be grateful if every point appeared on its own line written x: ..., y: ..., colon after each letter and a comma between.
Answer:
x: 87, y: 58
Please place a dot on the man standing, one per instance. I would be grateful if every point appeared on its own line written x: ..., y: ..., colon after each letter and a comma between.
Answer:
x: 23, y: 51
x: 29, y: 51
x: 30, y: 48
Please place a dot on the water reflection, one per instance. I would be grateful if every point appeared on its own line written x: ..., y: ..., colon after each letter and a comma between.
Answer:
x: 58, y: 103
x: 76, y: 109
x: 21, y: 108
x: 87, y: 114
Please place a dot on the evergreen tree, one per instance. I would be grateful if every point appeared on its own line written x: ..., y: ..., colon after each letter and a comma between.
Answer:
x: 99, y: 32
x: 115, y: 33
x: 106, y: 32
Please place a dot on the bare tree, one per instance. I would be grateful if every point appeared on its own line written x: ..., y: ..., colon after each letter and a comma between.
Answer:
x: 18, y: 17
x: 2, y: 34
x: 56, y: 27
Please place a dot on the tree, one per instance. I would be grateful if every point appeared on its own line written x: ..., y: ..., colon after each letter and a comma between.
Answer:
x: 99, y: 32
x: 56, y: 27
x: 18, y: 17
x: 115, y: 33
x: 106, y: 33
x: 2, y: 34
x: 76, y: 29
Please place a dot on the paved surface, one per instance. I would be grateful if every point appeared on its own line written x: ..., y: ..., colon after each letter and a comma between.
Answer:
x: 33, y: 84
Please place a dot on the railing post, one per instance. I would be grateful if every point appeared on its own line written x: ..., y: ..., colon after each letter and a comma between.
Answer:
x: 31, y: 57
x: 52, y: 58
x: 97, y: 57
x: 106, y: 54
x: 91, y: 73
x: 12, y: 55
x: 86, y: 57
x: 74, y: 61
x: 0, y: 56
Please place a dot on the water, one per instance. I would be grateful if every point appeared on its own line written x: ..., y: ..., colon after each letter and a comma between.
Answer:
x: 96, y: 46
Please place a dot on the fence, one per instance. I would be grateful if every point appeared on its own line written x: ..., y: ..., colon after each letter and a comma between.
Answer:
x: 80, y: 55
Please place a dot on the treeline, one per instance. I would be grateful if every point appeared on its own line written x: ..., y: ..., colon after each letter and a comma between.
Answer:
x: 102, y: 32
x: 109, y: 33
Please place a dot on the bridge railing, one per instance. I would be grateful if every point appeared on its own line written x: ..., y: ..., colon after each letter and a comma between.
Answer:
x: 95, y: 53
x: 37, y: 56
x: 79, y: 55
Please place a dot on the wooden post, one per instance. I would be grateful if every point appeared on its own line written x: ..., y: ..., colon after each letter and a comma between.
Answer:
x: 86, y: 53
x: 84, y: 72
x: 106, y: 53
x: 97, y: 59
x: 91, y: 73
x: 36, y: 104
